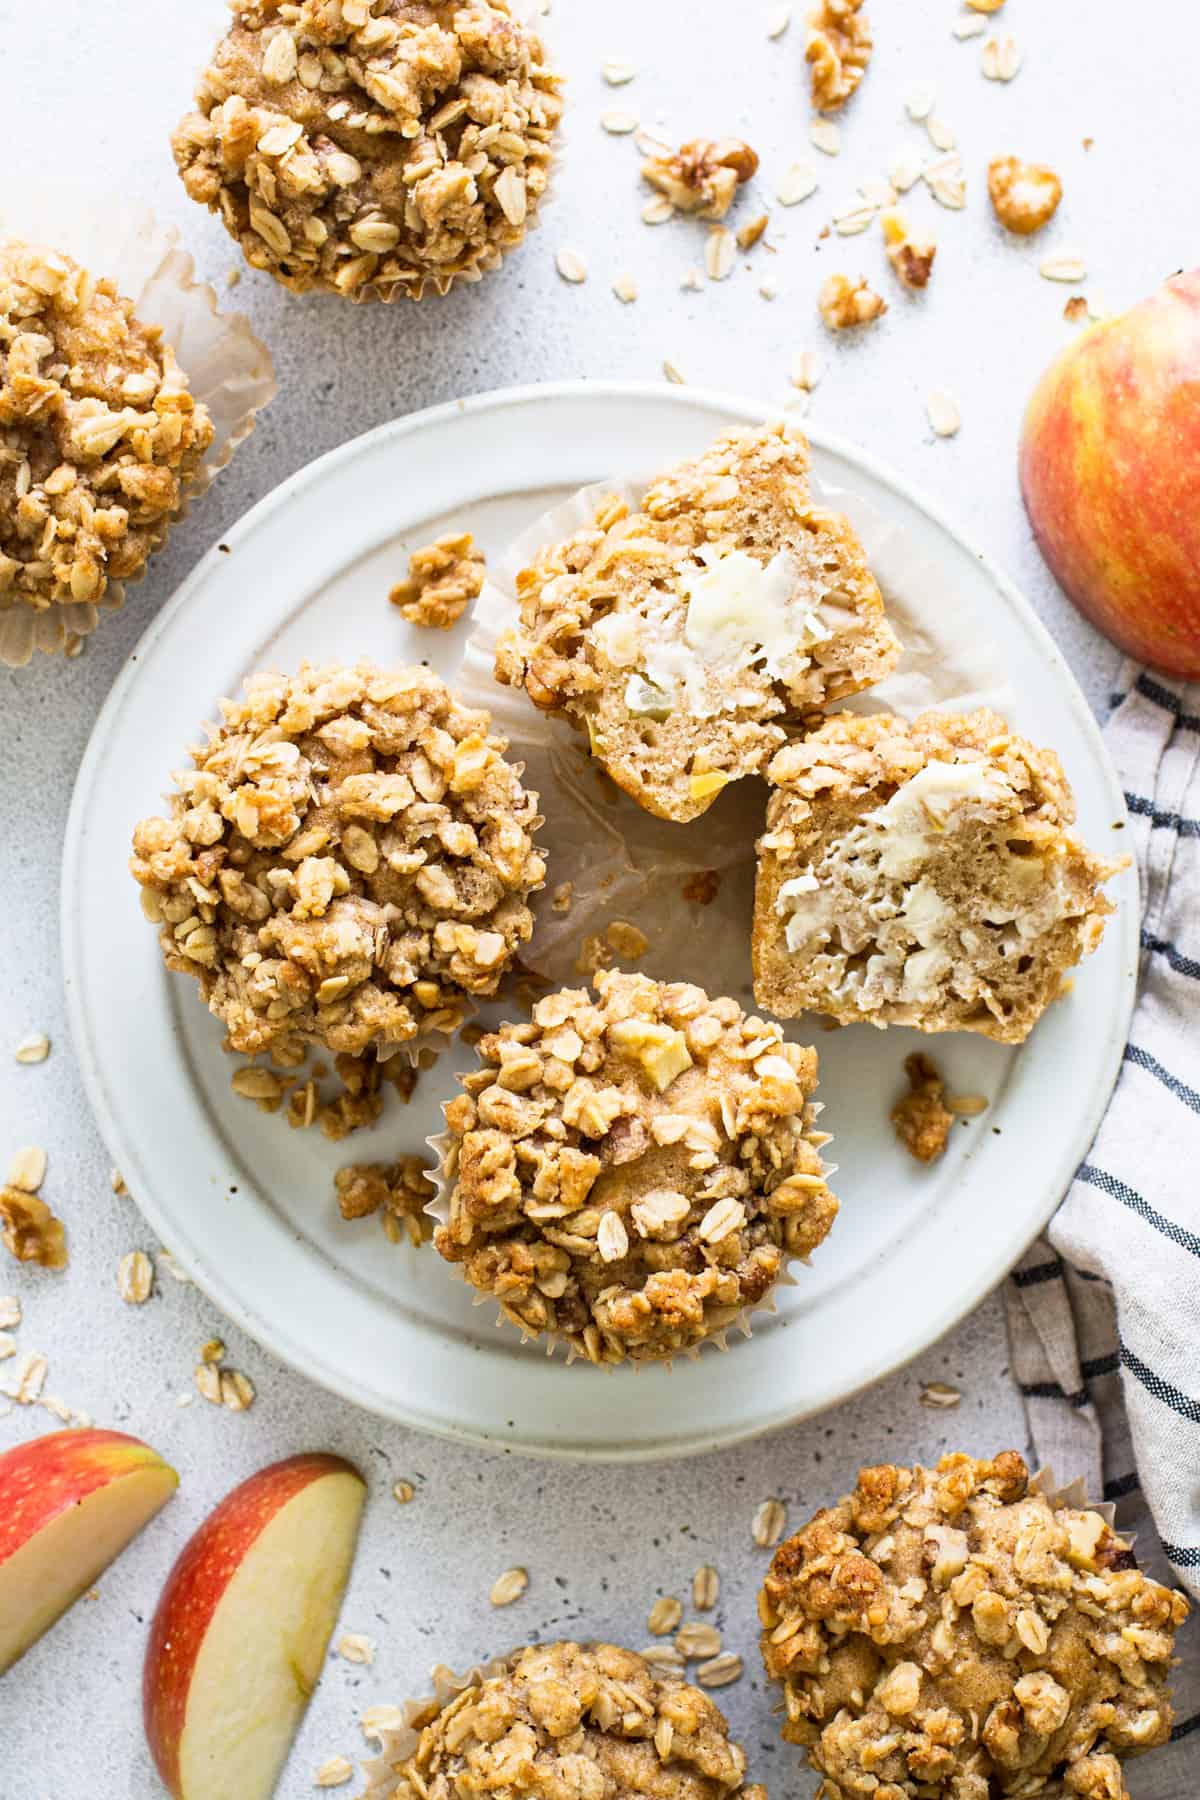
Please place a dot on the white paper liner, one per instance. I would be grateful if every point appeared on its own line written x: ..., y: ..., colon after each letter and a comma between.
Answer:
x: 623, y: 863
x: 226, y: 365
x: 1074, y: 1495
x: 438, y: 1209
x: 398, y: 1744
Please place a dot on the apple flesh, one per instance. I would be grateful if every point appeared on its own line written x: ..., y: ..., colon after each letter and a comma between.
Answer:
x: 69, y: 1504
x: 1110, y: 473
x: 240, y: 1634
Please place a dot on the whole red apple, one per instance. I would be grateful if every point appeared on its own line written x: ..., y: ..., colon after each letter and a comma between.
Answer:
x: 1110, y: 472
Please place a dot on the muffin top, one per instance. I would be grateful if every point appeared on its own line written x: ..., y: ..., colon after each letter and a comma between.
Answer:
x: 99, y: 435
x: 373, y: 147
x: 629, y: 1173
x: 955, y: 1632
x: 349, y: 856
x: 561, y: 1720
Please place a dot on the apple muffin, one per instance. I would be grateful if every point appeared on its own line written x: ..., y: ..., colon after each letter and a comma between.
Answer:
x: 347, y: 859
x: 100, y: 438
x: 689, y: 637
x: 373, y: 148
x: 629, y: 1173
x: 923, y: 874
x: 955, y: 1634
x: 591, y: 1722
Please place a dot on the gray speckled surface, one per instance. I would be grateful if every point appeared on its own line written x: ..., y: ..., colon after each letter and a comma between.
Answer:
x: 89, y: 94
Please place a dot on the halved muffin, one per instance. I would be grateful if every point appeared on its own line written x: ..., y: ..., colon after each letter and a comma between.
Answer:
x: 689, y: 638
x: 923, y: 875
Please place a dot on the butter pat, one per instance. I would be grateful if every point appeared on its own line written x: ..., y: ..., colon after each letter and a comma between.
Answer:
x: 918, y: 813
x: 735, y: 604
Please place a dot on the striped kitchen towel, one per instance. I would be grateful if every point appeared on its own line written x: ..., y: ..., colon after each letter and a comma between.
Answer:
x: 1104, y: 1313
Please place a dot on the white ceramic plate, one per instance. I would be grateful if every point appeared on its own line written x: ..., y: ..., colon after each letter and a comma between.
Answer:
x: 246, y: 1204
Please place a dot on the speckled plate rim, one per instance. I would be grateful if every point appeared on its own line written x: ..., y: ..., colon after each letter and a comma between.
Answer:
x: 663, y: 1416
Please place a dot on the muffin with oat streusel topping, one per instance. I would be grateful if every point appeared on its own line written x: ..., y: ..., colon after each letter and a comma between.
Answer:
x: 348, y: 858
x: 589, y: 1722
x: 629, y: 1173
x: 956, y: 1634
x: 373, y: 148
x: 99, y: 437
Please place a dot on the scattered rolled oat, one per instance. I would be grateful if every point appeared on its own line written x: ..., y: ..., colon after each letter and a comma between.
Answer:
x: 826, y: 136
x: 443, y: 579
x: 30, y: 1378
x: 616, y: 72
x: 509, y: 1587
x: 706, y: 1588
x: 618, y: 121
x: 1025, y: 196
x: 10, y: 1312
x: 856, y: 219
x: 377, y: 1721
x: 798, y: 182
x: 570, y: 266
x: 701, y: 177
x: 27, y: 1170
x: 941, y: 132
x: 838, y: 50
x: 333, y: 1772
x: 657, y: 211
x: 237, y: 1390
x: 752, y: 232
x: 368, y: 154
x: 207, y: 1377
x: 843, y: 303
x: 355, y: 1647
x: 625, y: 288
x: 720, y: 253
x: 806, y: 370
x: 673, y: 372
x: 904, y: 170
x: 1063, y: 265
x: 403, y: 1491
x: 768, y: 1523
x: 939, y: 1396
x: 213, y: 1351
x: 911, y: 258
x: 8, y: 1345
x: 693, y: 281
x: 402, y: 1189
x: 967, y: 1106
x: 33, y: 1049
x: 1001, y: 58
x: 778, y: 20
x: 920, y: 1120
x: 920, y: 101
x: 135, y: 1277
x: 944, y: 415
x: 719, y: 1671
x: 665, y: 1615
x: 696, y: 1640
x: 946, y: 180
x: 664, y: 1659
x: 968, y: 27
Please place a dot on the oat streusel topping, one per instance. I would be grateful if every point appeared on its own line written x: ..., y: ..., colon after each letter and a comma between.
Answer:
x: 838, y: 51
x: 373, y: 147
x: 98, y: 437
x: 630, y: 1172
x: 443, y: 579
x: 349, y: 856
x: 701, y: 177
x: 1024, y: 195
x: 920, y: 1118
x: 402, y: 1190
x: 565, y: 1722
x: 952, y: 1634
x: 844, y: 303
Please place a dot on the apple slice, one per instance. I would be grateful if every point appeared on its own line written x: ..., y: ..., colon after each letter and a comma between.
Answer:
x: 69, y: 1503
x: 243, y: 1624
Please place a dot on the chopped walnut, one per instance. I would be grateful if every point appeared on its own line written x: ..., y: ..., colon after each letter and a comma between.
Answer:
x: 921, y: 1120
x: 843, y: 303
x: 99, y: 438
x: 372, y: 149
x: 402, y: 1189
x: 443, y: 579
x: 586, y: 1723
x: 349, y: 856
x: 838, y: 50
x: 911, y: 258
x: 702, y: 177
x: 1025, y: 196
x: 631, y: 1172
x: 30, y: 1230
x: 958, y: 1634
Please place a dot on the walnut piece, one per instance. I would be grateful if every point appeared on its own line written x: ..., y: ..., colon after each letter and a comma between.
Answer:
x: 630, y: 1173
x: 843, y: 303
x: 1025, y: 196
x: 402, y: 1189
x: 838, y: 51
x: 911, y: 258
x: 921, y: 1120
x: 349, y: 856
x: 443, y: 579
x: 704, y: 176
x: 30, y: 1231
x: 957, y: 1634
x: 373, y: 148
x: 99, y: 438
x: 576, y: 1723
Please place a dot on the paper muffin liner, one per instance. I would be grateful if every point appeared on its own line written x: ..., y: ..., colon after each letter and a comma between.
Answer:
x: 438, y: 1209
x: 623, y: 864
x: 227, y: 367
x: 399, y: 1743
x: 1074, y: 1494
